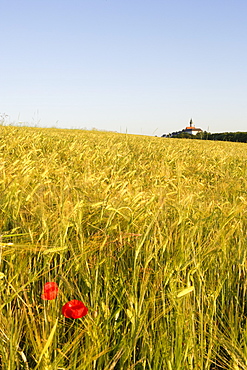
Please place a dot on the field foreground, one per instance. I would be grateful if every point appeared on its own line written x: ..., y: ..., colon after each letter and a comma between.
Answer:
x: 149, y: 233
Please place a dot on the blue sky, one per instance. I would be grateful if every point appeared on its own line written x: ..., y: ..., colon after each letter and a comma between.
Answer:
x: 136, y: 66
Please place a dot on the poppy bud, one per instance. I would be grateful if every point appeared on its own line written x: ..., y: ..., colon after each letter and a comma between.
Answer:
x: 74, y: 309
x: 50, y: 291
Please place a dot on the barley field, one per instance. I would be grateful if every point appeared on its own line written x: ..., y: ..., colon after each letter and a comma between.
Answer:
x: 149, y: 233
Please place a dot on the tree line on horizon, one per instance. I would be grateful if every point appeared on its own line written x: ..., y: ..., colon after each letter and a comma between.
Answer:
x: 223, y: 136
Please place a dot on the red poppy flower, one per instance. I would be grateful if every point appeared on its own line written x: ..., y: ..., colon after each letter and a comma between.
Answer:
x: 50, y: 291
x: 74, y: 309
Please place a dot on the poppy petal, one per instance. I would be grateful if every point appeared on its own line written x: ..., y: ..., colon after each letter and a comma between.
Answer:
x: 74, y: 309
x: 50, y: 291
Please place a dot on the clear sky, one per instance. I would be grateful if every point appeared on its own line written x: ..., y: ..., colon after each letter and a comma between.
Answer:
x: 135, y: 66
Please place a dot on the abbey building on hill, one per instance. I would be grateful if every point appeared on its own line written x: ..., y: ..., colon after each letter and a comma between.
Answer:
x: 191, y: 130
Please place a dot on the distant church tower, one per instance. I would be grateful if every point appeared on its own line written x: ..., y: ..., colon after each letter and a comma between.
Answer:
x: 191, y: 123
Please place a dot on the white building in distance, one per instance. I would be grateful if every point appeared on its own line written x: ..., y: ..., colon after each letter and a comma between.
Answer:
x: 191, y: 129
